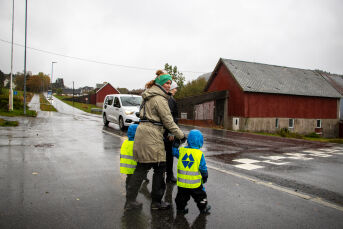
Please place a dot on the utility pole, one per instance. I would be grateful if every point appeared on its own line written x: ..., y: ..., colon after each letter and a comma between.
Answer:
x: 25, y: 58
x: 73, y: 93
x: 10, y: 98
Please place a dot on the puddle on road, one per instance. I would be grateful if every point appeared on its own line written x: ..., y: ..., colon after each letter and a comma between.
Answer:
x: 48, y: 145
x: 226, y: 158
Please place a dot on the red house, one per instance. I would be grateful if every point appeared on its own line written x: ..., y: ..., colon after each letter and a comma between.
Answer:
x: 267, y: 98
x: 103, y: 91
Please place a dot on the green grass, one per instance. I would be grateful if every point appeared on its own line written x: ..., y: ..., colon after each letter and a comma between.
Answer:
x: 18, y: 104
x: 4, y: 122
x: 45, y: 105
x: 82, y: 106
x: 309, y: 137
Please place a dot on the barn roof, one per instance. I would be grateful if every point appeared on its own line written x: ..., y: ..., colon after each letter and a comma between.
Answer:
x: 263, y: 78
x: 335, y: 80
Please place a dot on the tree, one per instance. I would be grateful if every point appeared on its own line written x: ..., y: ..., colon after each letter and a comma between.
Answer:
x: 195, y: 87
x: 38, y: 83
x: 19, y: 81
x: 176, y: 75
x: 136, y: 91
x: 123, y: 90
x: 2, y: 79
x: 35, y: 83
x: 59, y: 91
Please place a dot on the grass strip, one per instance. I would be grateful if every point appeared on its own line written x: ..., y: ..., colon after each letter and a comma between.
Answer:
x: 45, y: 105
x: 4, y: 122
x: 82, y: 106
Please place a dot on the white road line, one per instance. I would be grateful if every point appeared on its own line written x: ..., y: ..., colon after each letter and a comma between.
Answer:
x: 248, y: 166
x: 298, y: 156
x: 274, y: 158
x: 246, y: 161
x: 279, y: 188
x: 275, y: 163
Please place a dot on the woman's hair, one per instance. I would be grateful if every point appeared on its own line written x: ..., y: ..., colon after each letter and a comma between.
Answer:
x: 152, y: 82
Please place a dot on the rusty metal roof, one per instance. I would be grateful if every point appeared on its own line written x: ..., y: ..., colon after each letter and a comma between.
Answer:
x: 263, y: 78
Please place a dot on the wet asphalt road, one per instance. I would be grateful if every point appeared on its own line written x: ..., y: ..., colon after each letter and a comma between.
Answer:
x: 61, y: 170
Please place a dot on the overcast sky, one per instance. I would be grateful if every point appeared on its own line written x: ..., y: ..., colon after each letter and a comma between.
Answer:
x: 191, y: 34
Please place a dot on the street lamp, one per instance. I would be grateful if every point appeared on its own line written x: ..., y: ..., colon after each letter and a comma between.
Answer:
x: 25, y: 57
x: 10, y: 102
x: 52, y: 72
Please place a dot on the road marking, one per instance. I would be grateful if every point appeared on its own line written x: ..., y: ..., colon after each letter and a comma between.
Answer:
x: 274, y: 158
x: 275, y: 163
x: 279, y: 188
x: 248, y: 166
x: 246, y: 161
x: 298, y: 156
x: 121, y: 137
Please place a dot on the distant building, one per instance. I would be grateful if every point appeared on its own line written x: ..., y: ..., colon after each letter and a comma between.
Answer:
x: 59, y: 83
x: 100, y: 85
x: 103, y: 91
x: 70, y: 91
x: 267, y: 98
x: 86, y: 89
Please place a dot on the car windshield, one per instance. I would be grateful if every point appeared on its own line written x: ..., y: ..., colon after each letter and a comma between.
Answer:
x: 131, y: 101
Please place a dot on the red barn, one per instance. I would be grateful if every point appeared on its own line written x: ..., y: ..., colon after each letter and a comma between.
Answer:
x: 267, y: 98
x: 103, y: 91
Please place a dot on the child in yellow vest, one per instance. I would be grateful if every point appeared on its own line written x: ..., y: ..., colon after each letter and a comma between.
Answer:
x: 191, y: 173
x: 127, y: 164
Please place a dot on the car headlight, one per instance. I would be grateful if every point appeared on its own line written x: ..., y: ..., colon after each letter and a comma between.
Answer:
x: 128, y: 112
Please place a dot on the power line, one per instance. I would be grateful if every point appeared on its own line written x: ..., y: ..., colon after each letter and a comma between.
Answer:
x: 91, y: 61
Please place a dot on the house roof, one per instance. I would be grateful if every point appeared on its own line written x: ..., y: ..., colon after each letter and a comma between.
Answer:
x: 264, y: 78
x: 105, y: 86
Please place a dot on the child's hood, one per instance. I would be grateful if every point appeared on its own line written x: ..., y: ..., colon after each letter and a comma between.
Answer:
x: 195, y: 139
x: 131, y: 131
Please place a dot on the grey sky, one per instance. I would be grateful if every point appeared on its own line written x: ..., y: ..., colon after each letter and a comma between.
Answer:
x: 191, y: 34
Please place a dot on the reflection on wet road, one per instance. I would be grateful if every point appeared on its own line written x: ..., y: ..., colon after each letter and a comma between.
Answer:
x: 61, y: 170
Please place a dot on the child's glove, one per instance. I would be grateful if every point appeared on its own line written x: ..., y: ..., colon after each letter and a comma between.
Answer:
x: 176, y: 143
x: 204, y: 177
x: 184, y: 139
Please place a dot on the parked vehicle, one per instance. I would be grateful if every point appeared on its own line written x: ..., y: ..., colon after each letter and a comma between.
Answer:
x: 121, y: 109
x: 49, y: 95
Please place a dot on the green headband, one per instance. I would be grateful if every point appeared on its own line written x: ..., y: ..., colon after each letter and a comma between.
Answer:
x: 162, y: 79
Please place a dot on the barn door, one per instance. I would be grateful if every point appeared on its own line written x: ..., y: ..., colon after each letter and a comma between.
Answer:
x: 204, y: 111
x: 219, y: 112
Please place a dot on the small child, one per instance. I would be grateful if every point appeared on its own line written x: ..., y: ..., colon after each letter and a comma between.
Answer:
x: 191, y: 173
x: 127, y: 164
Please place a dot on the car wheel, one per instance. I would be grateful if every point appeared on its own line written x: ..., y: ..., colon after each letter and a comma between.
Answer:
x: 121, y: 123
x: 105, y: 120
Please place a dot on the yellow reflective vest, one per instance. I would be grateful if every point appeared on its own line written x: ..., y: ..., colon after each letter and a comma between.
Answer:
x: 127, y: 164
x: 188, y: 174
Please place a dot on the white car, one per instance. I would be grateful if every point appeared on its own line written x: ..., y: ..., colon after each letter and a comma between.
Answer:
x: 121, y: 109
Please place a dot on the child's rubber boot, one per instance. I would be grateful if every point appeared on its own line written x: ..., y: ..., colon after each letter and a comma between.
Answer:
x: 182, y: 211
x: 206, y: 211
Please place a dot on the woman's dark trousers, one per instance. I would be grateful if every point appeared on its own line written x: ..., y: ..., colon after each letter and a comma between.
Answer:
x: 158, y: 184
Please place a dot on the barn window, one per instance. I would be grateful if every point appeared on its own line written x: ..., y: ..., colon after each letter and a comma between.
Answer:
x: 319, y: 123
x: 276, y: 123
x: 291, y: 123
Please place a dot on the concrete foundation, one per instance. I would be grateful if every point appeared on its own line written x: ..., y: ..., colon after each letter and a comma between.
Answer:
x: 329, y: 127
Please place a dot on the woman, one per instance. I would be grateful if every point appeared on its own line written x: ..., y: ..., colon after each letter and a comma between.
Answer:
x: 168, y: 137
x: 148, y: 149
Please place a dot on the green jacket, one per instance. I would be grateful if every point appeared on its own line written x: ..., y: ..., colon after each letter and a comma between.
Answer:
x: 149, y: 145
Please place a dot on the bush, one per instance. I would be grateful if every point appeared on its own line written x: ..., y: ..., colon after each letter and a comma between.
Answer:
x: 284, y: 132
x: 312, y: 135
